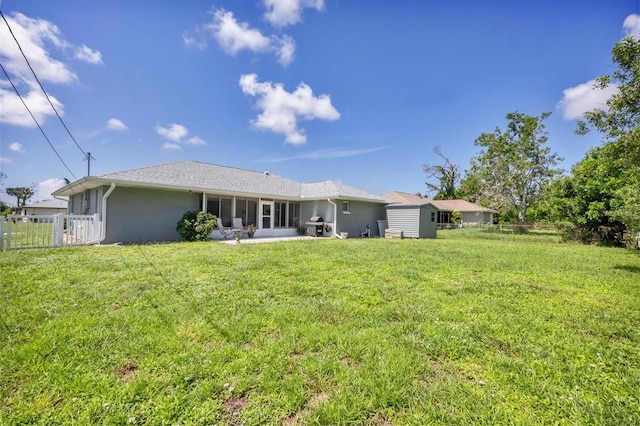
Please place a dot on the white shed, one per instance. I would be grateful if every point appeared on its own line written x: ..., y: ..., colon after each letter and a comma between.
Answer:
x: 414, y: 220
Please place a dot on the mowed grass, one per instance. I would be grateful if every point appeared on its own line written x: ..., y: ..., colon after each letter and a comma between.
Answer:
x: 470, y: 328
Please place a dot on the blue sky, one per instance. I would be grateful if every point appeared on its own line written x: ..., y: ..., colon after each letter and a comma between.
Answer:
x: 311, y: 90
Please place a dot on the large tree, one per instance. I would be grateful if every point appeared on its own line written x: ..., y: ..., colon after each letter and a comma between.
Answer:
x: 22, y: 194
x: 447, y: 175
x: 603, y: 194
x: 512, y: 165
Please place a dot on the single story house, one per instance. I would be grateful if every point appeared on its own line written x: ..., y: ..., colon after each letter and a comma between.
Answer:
x: 145, y: 204
x: 45, y: 207
x: 469, y: 212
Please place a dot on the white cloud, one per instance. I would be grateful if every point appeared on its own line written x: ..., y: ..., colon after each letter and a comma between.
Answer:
x: 88, y: 55
x: 115, y: 124
x: 171, y: 146
x: 582, y: 98
x: 285, y: 50
x: 281, y: 110
x: 281, y: 13
x: 16, y: 147
x: 177, y: 134
x: 45, y: 188
x: 235, y: 37
x: 5, y: 160
x: 39, y: 39
x: 14, y: 112
x: 195, y: 141
x: 174, y: 132
x: 323, y: 154
x: 631, y: 26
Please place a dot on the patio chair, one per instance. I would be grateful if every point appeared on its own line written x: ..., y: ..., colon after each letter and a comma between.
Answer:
x: 237, y: 224
x: 366, y: 233
x: 225, y: 232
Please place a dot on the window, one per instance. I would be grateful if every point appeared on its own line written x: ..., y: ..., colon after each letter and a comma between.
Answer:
x: 221, y: 207
x: 433, y: 216
x: 346, y: 207
x: 280, y: 216
x: 294, y: 215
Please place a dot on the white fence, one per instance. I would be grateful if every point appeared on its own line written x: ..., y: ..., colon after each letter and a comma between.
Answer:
x: 39, y: 231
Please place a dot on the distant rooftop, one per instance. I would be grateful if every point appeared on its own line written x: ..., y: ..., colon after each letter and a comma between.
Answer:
x: 443, y: 205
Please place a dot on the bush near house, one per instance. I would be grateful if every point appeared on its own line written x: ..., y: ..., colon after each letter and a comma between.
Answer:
x: 196, y: 225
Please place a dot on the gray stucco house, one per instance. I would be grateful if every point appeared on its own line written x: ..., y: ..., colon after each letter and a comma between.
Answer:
x: 144, y: 204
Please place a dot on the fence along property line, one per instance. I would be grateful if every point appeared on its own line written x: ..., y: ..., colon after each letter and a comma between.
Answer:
x: 40, y: 231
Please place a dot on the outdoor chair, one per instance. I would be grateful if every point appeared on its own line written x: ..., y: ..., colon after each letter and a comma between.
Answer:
x: 225, y: 232
x: 366, y: 233
x: 237, y: 223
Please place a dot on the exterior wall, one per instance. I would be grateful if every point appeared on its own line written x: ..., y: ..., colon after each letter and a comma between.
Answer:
x: 316, y: 208
x: 428, y: 221
x: 88, y: 202
x: 472, y: 217
x: 139, y: 215
x: 27, y: 211
x: 414, y: 220
x: 361, y: 214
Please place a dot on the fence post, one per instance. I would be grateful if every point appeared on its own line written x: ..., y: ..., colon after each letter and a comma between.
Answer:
x: 96, y: 227
x: 10, y: 220
x: 2, y: 219
x: 58, y: 230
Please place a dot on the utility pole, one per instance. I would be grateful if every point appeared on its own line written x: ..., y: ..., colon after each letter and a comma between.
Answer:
x: 88, y: 159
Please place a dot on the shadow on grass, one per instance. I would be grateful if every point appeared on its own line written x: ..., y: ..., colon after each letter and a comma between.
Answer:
x: 629, y: 268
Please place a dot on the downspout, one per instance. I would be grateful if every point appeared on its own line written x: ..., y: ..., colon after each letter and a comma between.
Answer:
x: 335, y: 218
x: 103, y: 228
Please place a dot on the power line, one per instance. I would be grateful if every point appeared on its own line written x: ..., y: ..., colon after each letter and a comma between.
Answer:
x: 36, y: 121
x: 40, y: 84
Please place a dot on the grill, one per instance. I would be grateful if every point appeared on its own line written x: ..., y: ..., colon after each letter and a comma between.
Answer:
x: 316, y: 222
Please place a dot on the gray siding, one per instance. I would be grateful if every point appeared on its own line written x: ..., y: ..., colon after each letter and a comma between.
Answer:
x: 140, y: 215
x: 414, y: 220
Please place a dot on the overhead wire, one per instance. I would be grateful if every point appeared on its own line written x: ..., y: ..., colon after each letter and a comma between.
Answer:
x: 36, y: 121
x: 40, y: 84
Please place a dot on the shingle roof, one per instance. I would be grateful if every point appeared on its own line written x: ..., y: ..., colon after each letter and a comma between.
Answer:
x: 333, y: 189
x: 443, y: 205
x: 211, y: 177
x: 215, y: 178
x: 48, y: 204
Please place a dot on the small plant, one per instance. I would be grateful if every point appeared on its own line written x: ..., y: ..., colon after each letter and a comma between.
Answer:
x: 301, y: 230
x: 251, y: 228
x: 196, y: 225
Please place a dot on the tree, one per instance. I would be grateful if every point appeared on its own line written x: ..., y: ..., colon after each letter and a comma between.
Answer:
x: 447, y: 174
x: 22, y: 194
x: 619, y: 124
x: 512, y: 165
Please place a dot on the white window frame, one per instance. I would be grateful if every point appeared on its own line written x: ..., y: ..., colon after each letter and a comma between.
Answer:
x: 346, y: 204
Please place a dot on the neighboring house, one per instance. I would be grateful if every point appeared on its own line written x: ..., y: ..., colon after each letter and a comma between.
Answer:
x: 145, y: 204
x: 45, y: 207
x: 469, y: 212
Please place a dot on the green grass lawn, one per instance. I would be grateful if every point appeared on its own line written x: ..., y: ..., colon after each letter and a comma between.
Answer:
x: 470, y: 328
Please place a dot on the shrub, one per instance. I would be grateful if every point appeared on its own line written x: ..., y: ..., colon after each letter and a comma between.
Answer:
x: 196, y: 225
